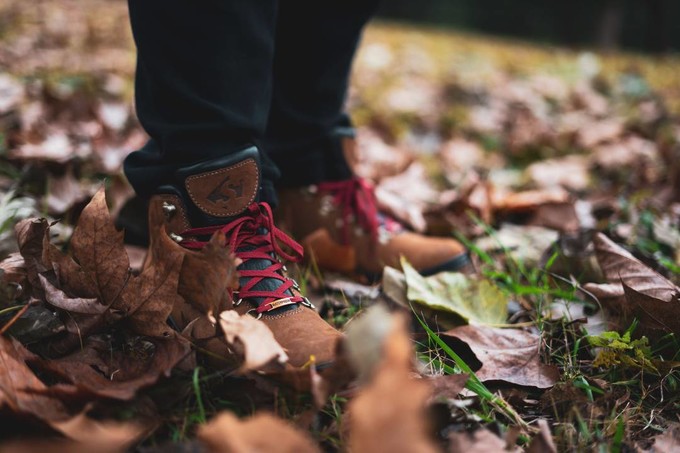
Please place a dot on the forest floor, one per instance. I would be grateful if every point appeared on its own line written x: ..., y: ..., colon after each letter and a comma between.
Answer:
x: 559, y: 170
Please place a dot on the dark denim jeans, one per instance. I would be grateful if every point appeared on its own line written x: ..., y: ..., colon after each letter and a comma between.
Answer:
x: 216, y: 76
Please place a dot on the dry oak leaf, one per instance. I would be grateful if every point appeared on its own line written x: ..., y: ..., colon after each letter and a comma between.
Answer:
x: 98, y: 247
x: 633, y: 289
x: 30, y: 235
x: 20, y: 389
x: 253, y: 340
x: 206, y: 275
x: 260, y: 433
x: 58, y: 298
x: 508, y: 355
x: 389, y: 414
x: 107, y: 369
x: 148, y: 299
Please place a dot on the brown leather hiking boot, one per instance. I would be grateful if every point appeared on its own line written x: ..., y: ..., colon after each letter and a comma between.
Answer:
x: 222, y: 196
x: 341, y: 229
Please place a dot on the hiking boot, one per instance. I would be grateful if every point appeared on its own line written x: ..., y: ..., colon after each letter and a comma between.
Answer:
x: 341, y: 229
x: 221, y: 195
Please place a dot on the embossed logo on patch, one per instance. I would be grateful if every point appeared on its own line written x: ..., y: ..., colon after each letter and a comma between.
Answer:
x: 227, y: 191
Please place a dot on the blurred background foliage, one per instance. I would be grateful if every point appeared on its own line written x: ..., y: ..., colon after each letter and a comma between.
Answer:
x: 644, y: 25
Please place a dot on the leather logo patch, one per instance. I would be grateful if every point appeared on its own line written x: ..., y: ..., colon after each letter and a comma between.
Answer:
x: 227, y: 191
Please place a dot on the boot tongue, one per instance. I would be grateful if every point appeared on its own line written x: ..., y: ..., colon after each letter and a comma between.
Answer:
x: 219, y: 190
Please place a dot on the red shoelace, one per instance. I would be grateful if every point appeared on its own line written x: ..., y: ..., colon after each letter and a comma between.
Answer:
x: 356, y: 199
x: 246, y: 232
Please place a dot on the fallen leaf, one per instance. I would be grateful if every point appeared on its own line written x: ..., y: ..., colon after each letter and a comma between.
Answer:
x: 149, y: 298
x: 668, y: 441
x: 634, y: 290
x: 30, y: 235
x: 259, y: 433
x: 206, y: 276
x: 20, y: 389
x: 478, y: 302
x: 619, y: 265
x: 524, y: 243
x: 365, y: 340
x: 63, y: 192
x: 447, y: 385
x: 13, y: 269
x: 112, y: 436
x: 389, y: 413
x: 253, y: 340
x: 59, y: 299
x: 543, y: 441
x: 98, y: 248
x: 370, y: 157
x: 508, y: 355
x: 105, y: 367
x: 407, y: 206
x: 56, y: 148
x: 479, y: 441
x: 654, y: 314
x: 39, y: 322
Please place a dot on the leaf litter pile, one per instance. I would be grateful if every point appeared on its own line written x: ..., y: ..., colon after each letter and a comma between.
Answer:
x: 558, y: 170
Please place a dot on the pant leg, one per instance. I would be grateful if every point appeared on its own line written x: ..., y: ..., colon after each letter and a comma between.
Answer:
x: 203, y: 82
x: 315, y: 46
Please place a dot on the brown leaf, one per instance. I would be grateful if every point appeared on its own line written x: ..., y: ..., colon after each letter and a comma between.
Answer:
x: 407, y: 206
x: 13, y: 269
x: 370, y: 157
x: 20, y: 389
x: 619, y: 265
x: 480, y: 441
x: 543, y: 441
x: 669, y: 441
x: 149, y: 298
x: 635, y: 290
x: 98, y: 248
x: 206, y: 275
x: 389, y: 414
x: 59, y: 299
x: 30, y: 234
x: 63, y: 192
x: 253, y: 340
x: 260, y: 433
x: 113, y: 436
x: 509, y: 355
x: 69, y: 273
x: 656, y: 316
x: 447, y: 385
x: 106, y: 368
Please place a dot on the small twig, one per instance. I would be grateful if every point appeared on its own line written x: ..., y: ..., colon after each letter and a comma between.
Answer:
x: 17, y: 316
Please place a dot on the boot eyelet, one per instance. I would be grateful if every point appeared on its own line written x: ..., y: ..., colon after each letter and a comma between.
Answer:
x: 307, y: 303
x: 169, y: 209
x: 238, y: 302
x: 253, y: 310
x: 176, y: 237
